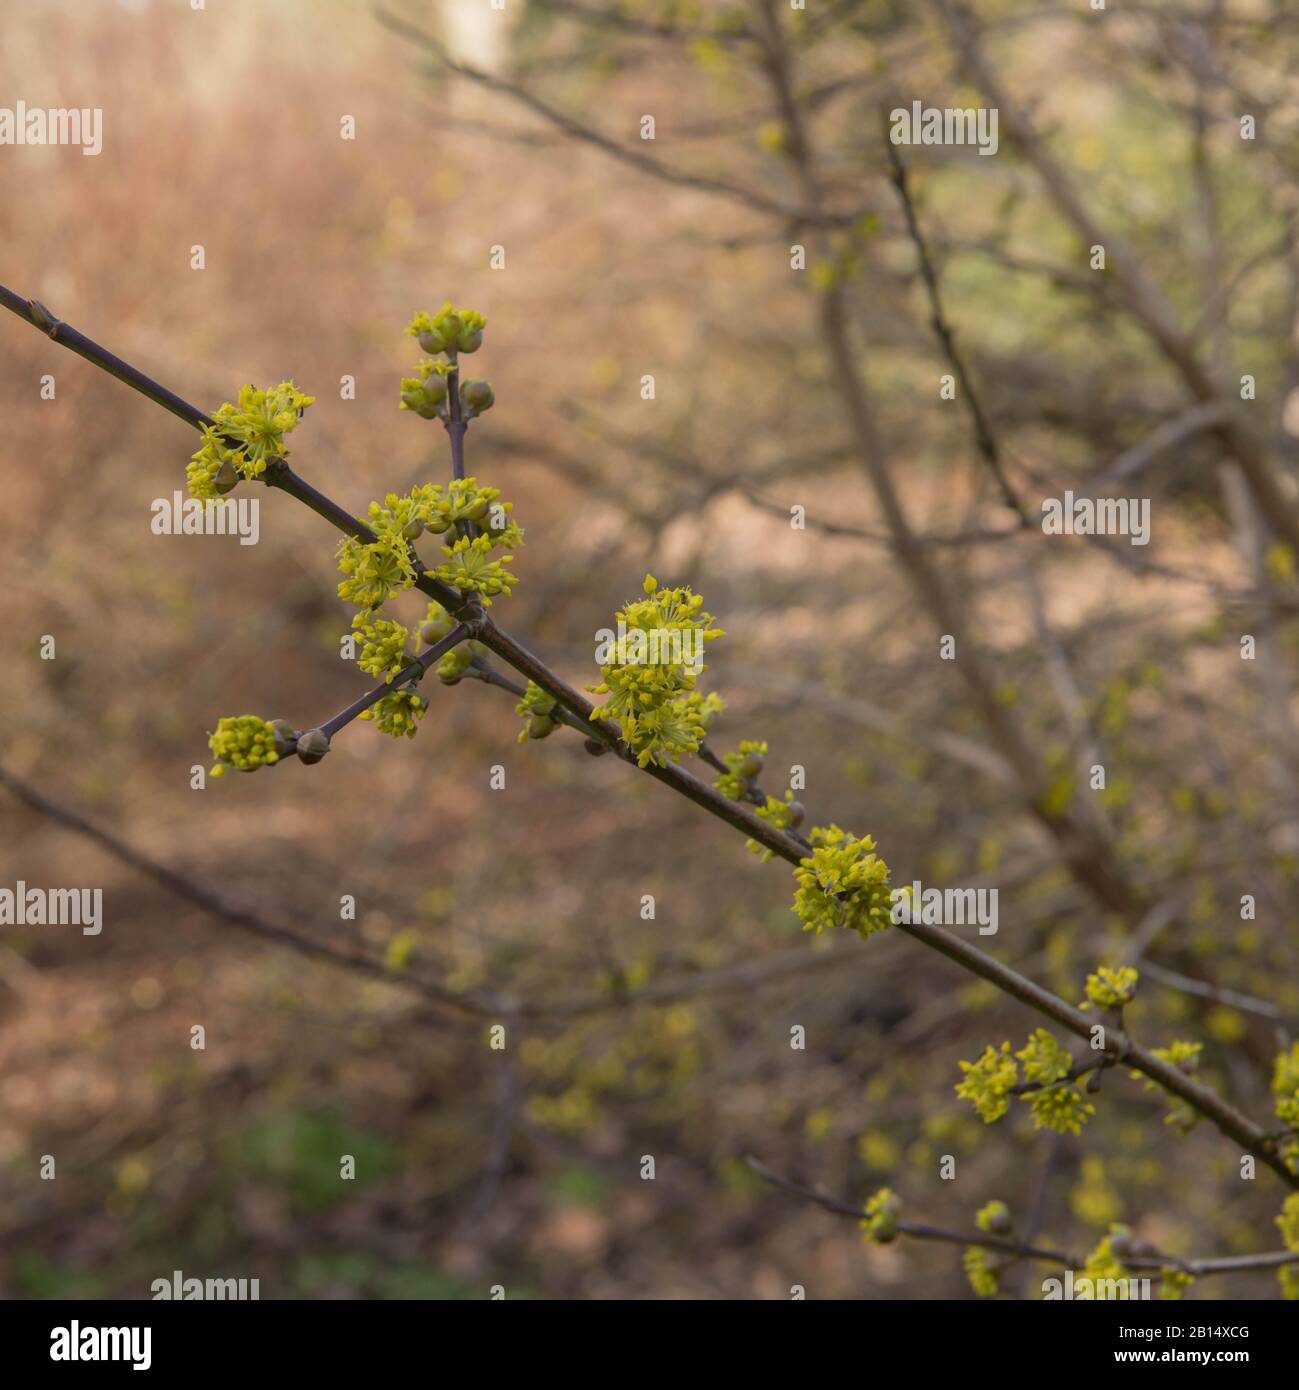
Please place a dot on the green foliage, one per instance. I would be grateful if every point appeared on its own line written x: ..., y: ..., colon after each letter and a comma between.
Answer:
x: 362, y: 1274
x: 35, y: 1275
x: 301, y: 1150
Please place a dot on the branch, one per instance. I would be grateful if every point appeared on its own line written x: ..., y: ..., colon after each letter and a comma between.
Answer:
x: 645, y: 163
x: 983, y: 436
x: 1227, y: 1264
x: 1238, y: 1126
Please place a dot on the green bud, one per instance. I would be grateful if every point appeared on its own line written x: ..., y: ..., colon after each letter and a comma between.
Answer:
x: 435, y: 389
x: 434, y: 630
x: 431, y: 341
x: 453, y: 666
x: 478, y: 511
x: 437, y: 525
x: 413, y: 397
x: 226, y: 478
x: 285, y: 735
x: 470, y: 342
x: 750, y: 766
x: 481, y: 652
x: 999, y: 1223
x: 477, y: 395
x: 541, y: 726
x: 885, y: 1228
x: 313, y: 745
x: 413, y: 530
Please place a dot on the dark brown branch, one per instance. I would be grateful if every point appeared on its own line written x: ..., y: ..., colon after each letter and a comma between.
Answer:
x: 984, y: 439
x: 1227, y: 1264
x: 1238, y: 1126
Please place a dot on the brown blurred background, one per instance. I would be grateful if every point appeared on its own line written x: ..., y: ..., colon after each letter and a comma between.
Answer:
x: 221, y: 128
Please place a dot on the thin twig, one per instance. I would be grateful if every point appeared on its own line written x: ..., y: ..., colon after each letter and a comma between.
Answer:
x: 984, y: 438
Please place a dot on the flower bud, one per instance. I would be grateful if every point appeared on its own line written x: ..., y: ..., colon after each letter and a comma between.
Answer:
x: 313, y: 745
x: 884, y: 1229
x: 437, y: 525
x: 797, y: 813
x: 999, y: 1222
x: 1120, y: 1243
x: 435, y: 389
x: 434, y: 631
x: 431, y: 341
x: 477, y: 395
x: 541, y: 726
x: 750, y: 766
x: 478, y: 511
x: 413, y: 530
x: 284, y: 735
x: 453, y: 666
x: 413, y: 397
x: 470, y: 342
x: 226, y: 478
x: 594, y: 747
